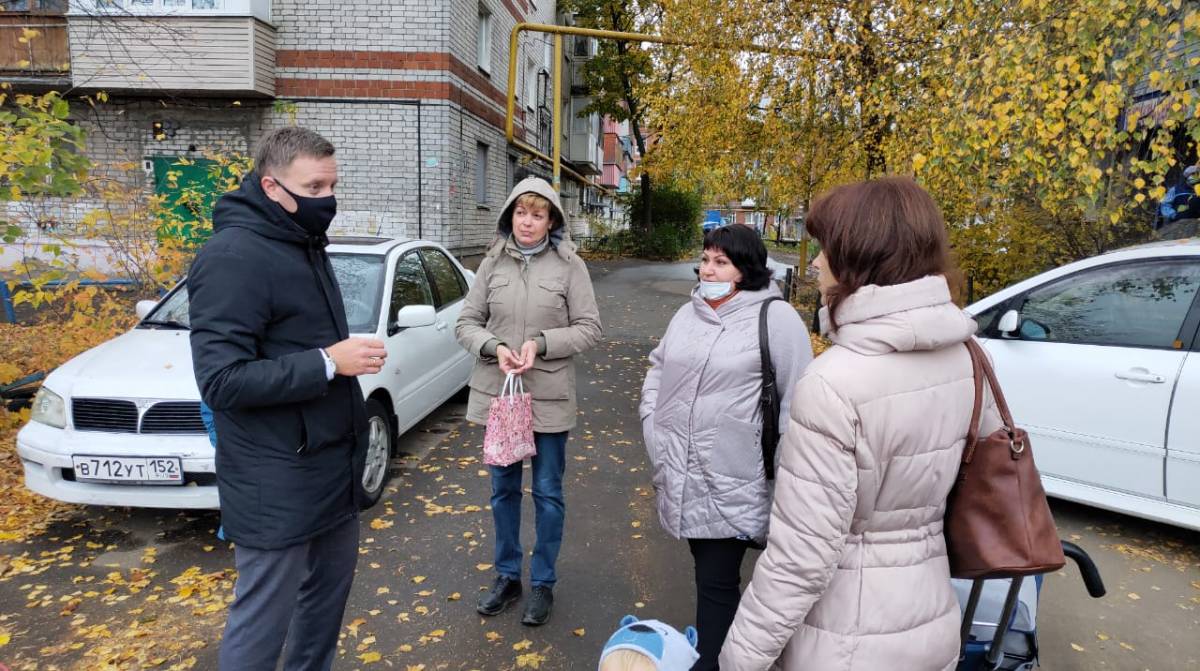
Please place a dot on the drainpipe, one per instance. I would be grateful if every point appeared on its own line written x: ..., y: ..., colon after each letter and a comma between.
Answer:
x: 420, y: 179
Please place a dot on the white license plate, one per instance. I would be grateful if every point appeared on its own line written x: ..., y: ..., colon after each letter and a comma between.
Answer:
x: 135, y: 470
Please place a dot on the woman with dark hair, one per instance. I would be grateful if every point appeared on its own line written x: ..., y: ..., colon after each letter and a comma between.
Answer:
x: 855, y: 574
x: 702, y: 418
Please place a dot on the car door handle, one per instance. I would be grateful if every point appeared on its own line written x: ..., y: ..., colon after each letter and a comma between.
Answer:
x: 1141, y: 375
x: 440, y: 325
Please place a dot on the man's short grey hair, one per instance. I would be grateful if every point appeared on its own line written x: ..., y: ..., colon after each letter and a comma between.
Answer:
x: 277, y: 149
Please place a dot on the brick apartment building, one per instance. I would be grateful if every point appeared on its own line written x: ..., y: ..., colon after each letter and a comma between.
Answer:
x: 412, y: 93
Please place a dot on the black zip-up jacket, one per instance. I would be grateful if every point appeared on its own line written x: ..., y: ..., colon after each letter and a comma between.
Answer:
x: 291, y: 445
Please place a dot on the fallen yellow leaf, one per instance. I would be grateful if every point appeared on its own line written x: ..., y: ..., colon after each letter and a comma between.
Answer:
x: 530, y: 660
x: 1076, y: 647
x: 523, y: 645
x: 1134, y: 596
x: 492, y: 636
x: 5, y: 637
x: 579, y: 632
x: 483, y: 567
x: 353, y: 626
x: 380, y: 523
x: 406, y: 648
x: 1102, y: 636
x: 418, y: 579
x: 1127, y: 646
x: 370, y: 657
x: 454, y: 597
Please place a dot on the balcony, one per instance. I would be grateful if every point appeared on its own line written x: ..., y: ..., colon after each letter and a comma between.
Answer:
x: 584, y: 148
x: 189, y: 47
x: 33, y: 45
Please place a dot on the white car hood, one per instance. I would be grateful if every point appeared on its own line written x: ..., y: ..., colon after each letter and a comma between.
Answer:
x: 143, y: 363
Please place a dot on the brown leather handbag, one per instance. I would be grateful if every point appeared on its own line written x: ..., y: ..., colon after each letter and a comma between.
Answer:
x: 998, y: 523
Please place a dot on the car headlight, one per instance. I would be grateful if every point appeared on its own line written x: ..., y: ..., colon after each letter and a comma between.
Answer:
x: 49, y: 408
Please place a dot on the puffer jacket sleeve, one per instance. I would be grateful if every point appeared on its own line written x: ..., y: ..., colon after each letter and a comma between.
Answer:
x: 583, y: 328
x: 653, y: 379
x: 815, y: 498
x: 650, y: 400
x: 229, y: 309
x: 471, y: 328
x: 791, y: 352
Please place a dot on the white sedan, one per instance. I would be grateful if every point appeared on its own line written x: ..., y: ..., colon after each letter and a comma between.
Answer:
x: 1100, y: 362
x: 120, y: 423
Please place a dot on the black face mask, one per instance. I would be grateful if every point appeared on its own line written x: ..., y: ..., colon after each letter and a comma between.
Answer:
x: 312, y: 214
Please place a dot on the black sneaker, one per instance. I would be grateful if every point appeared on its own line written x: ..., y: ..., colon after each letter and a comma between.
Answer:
x: 537, y: 611
x: 505, y: 592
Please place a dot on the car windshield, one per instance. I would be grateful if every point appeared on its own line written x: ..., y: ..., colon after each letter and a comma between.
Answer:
x: 360, y: 277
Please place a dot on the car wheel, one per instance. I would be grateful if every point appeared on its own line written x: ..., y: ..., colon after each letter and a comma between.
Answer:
x: 380, y: 438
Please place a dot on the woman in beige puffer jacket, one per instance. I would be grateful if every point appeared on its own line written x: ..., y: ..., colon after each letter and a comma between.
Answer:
x: 855, y: 574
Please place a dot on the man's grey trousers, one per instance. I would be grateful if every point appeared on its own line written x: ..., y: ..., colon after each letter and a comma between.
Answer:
x: 296, y: 594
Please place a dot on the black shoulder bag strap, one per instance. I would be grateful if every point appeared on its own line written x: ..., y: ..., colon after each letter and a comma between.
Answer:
x: 770, y: 393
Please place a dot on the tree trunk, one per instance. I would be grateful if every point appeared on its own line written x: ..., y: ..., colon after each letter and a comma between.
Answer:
x: 635, y: 122
x: 647, y: 219
x: 874, y: 125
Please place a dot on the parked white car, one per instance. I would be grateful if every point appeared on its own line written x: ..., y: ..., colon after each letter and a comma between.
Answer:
x: 1100, y: 361
x: 120, y: 424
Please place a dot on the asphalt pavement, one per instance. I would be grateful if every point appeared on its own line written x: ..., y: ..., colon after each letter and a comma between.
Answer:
x: 132, y: 589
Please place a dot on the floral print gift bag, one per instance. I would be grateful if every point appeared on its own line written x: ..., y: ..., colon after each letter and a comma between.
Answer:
x: 508, y: 437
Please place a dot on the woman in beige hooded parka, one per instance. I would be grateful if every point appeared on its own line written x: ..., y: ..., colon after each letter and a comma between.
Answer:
x: 530, y: 310
x: 855, y: 575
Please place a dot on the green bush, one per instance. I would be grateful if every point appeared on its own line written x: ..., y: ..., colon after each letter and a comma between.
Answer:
x: 675, y: 223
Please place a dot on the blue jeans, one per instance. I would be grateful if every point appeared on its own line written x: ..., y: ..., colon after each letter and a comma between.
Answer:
x: 548, y: 505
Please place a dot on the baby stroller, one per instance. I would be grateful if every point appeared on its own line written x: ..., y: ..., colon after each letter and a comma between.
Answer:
x: 999, y: 625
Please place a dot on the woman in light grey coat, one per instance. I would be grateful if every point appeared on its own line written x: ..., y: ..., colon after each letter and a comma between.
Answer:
x: 702, y: 419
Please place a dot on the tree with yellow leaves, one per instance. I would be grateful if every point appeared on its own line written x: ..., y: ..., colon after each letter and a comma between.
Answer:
x: 1018, y: 114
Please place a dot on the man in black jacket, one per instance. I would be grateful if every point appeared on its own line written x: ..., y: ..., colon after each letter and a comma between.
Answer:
x: 273, y: 359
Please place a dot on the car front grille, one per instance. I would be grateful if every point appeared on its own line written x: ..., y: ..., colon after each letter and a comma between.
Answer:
x: 119, y: 416
x: 173, y: 417
x: 103, y: 414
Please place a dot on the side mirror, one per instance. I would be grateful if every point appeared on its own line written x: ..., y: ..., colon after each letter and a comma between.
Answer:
x: 1010, y: 322
x: 143, y: 308
x: 415, y: 316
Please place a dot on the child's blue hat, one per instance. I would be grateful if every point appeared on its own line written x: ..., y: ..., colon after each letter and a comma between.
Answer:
x: 660, y: 643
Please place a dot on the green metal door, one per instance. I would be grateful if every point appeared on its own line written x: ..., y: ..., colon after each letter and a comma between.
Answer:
x: 189, y: 189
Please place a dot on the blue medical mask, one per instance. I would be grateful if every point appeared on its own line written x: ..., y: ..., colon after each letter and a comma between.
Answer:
x: 715, y: 291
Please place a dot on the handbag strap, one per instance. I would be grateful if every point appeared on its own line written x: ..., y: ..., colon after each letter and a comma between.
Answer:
x: 982, y: 370
x: 509, y: 387
x: 770, y: 392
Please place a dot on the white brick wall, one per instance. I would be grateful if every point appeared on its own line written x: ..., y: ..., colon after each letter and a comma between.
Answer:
x: 376, y: 140
x: 394, y: 25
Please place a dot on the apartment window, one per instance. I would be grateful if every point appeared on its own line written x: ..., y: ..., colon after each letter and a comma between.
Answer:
x: 484, y: 55
x: 34, y: 6
x: 257, y: 8
x: 481, y: 176
x: 530, y: 83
